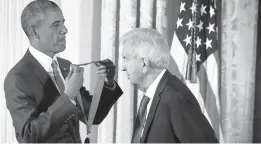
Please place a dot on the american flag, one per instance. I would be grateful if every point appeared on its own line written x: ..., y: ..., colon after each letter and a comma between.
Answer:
x: 196, y: 30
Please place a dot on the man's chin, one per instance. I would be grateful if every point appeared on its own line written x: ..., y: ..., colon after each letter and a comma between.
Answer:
x: 62, y: 48
x: 133, y: 83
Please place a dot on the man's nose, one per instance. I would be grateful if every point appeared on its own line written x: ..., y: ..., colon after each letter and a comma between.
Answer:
x: 123, y: 67
x: 64, y: 30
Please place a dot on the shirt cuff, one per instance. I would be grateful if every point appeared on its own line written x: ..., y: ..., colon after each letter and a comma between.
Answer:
x: 73, y: 101
x: 113, y: 88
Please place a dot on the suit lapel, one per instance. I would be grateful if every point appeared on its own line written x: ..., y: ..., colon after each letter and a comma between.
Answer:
x: 154, y: 104
x: 64, y: 67
x: 40, y: 72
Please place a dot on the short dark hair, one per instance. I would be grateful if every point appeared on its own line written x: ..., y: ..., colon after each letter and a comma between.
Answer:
x: 34, y: 13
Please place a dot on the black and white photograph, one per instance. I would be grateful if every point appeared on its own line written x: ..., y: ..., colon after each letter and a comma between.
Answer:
x: 130, y: 71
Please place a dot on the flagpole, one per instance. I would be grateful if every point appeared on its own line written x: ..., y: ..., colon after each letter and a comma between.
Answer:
x: 193, y: 45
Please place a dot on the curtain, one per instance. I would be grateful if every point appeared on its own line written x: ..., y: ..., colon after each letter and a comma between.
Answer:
x: 238, y: 68
x: 94, y: 30
x: 257, y: 108
x: 13, y: 44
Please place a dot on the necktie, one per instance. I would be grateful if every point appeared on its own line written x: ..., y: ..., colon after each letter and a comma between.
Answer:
x: 57, y: 77
x: 140, y: 119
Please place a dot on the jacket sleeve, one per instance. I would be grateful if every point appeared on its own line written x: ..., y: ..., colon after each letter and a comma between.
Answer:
x: 188, y: 122
x: 31, y: 125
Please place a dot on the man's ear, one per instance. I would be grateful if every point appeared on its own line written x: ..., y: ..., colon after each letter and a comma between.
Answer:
x: 146, y: 65
x: 33, y: 33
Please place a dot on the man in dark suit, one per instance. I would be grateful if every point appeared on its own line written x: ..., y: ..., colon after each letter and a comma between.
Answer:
x: 168, y: 111
x: 41, y: 88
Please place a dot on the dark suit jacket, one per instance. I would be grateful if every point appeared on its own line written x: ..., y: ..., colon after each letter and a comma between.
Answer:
x: 175, y: 116
x: 40, y: 114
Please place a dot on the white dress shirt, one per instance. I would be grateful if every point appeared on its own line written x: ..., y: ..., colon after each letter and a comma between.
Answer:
x: 151, y: 92
x: 46, y: 62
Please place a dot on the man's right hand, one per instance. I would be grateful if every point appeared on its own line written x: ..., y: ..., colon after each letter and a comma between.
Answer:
x: 73, y: 81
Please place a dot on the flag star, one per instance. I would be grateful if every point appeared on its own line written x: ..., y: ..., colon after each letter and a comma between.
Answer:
x: 198, y: 57
x: 210, y: 28
x: 203, y: 9
x: 179, y: 23
x: 208, y: 43
x: 198, y: 42
x: 190, y: 24
x: 211, y: 11
x: 187, y: 40
x: 193, y: 8
x: 182, y: 7
x: 200, y: 26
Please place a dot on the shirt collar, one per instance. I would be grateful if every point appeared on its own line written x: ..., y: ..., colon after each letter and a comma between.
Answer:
x: 42, y: 58
x: 152, y: 88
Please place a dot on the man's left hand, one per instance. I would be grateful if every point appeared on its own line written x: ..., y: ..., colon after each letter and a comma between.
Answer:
x: 107, y: 68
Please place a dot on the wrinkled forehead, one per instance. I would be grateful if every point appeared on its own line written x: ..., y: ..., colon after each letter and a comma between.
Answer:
x: 140, y: 50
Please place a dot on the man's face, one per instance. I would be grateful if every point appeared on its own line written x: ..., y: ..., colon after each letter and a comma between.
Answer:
x: 52, y: 31
x: 133, y: 66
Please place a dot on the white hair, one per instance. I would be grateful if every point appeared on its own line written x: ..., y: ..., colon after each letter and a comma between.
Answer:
x: 148, y: 43
x: 34, y: 13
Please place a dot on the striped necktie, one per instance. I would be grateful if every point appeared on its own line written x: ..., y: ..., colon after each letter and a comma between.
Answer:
x: 140, y: 120
x: 57, y: 77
